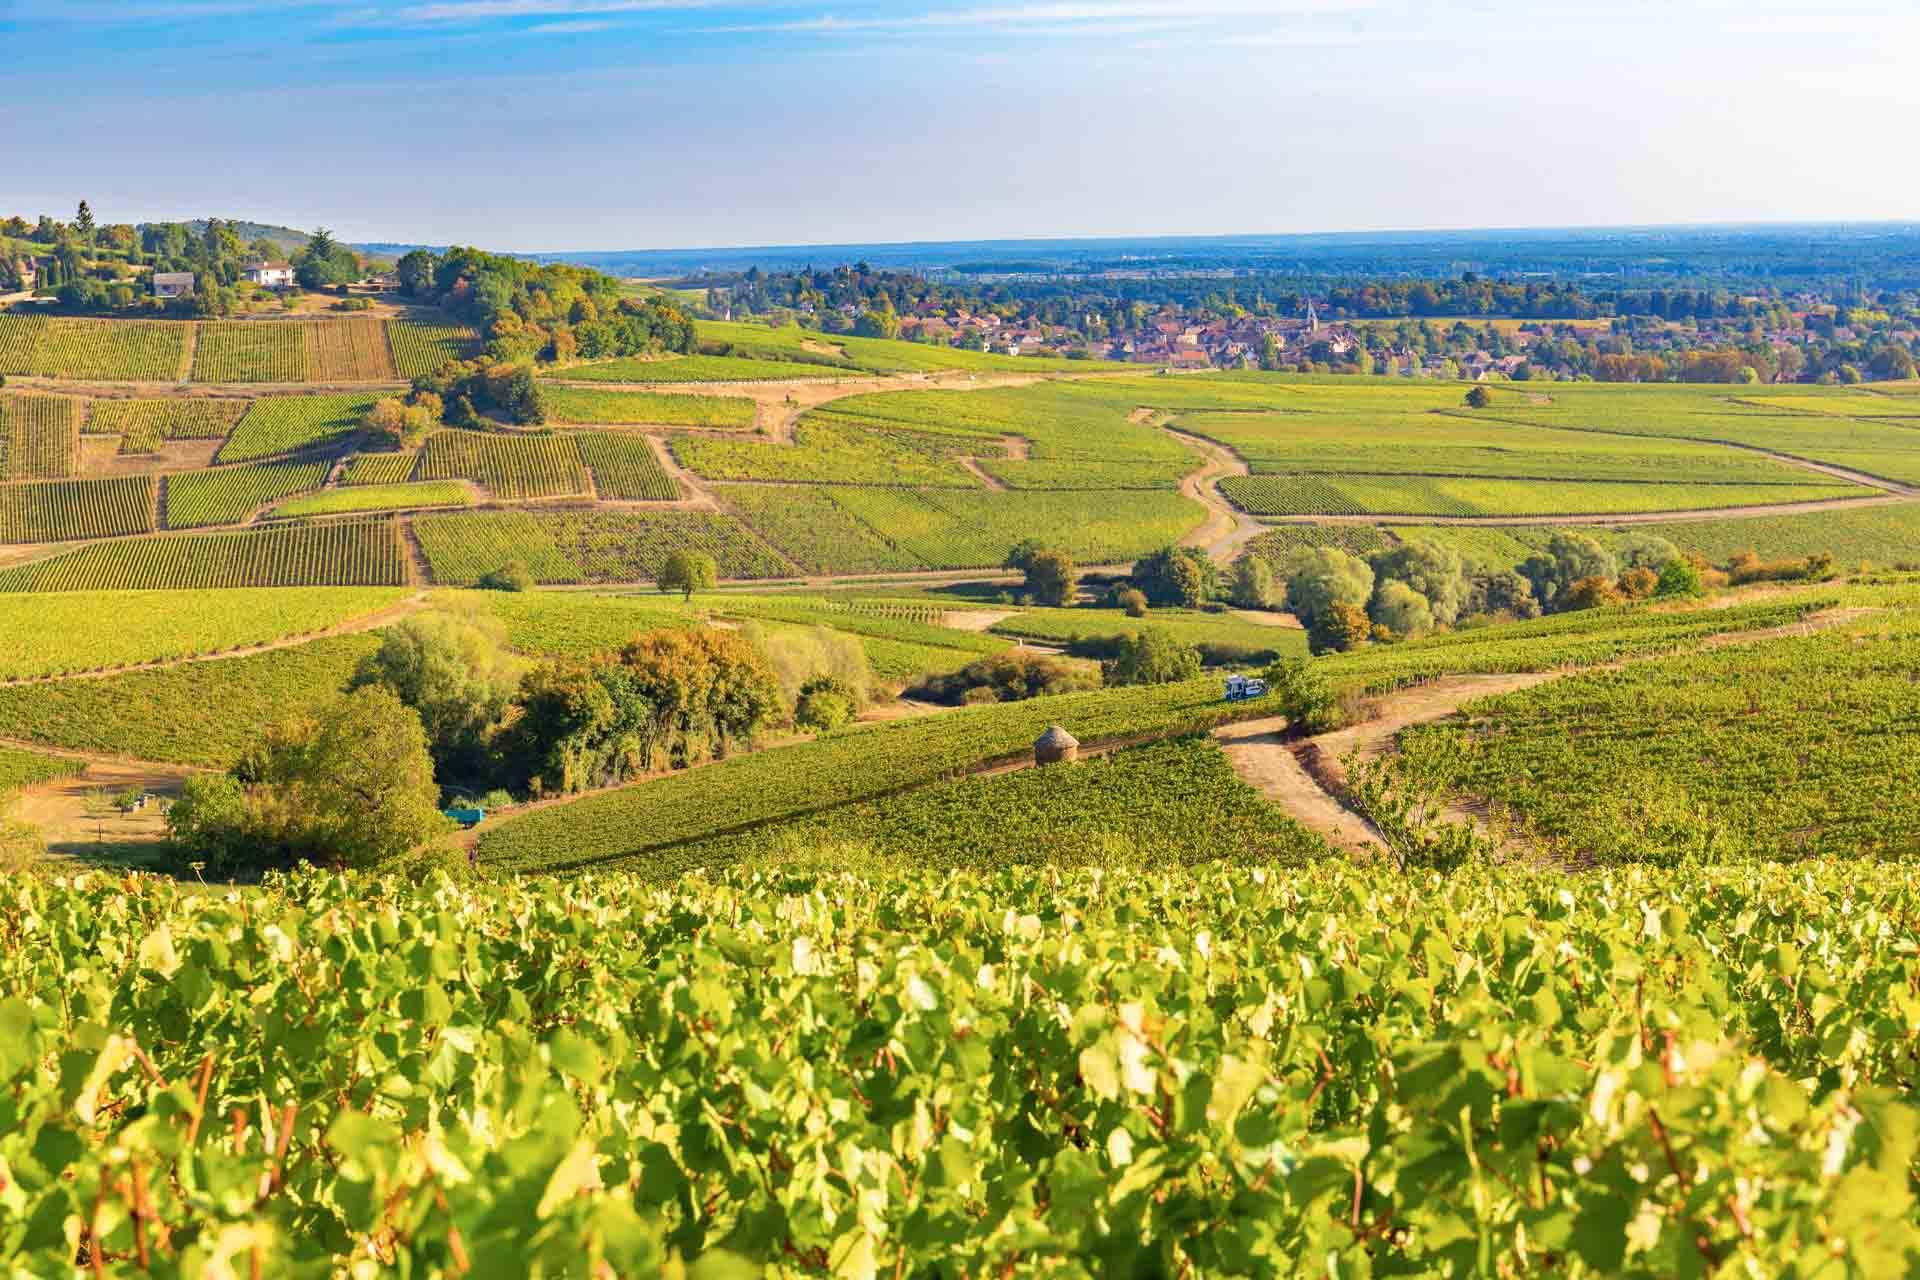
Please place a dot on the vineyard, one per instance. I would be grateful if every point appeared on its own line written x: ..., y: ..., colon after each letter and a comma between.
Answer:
x: 420, y: 349
x: 645, y: 408
x: 975, y: 529
x: 509, y: 466
x: 578, y: 624
x: 689, y: 369
x: 1250, y: 643
x: 1664, y: 761
x: 25, y: 768
x: 1271, y: 495
x: 376, y: 497
x: 352, y: 350
x: 569, y: 545
x: 251, y: 351
x: 230, y: 495
x: 347, y: 554
x: 66, y: 510
x: 196, y: 713
x: 144, y: 424
x: 814, y: 531
x: 97, y: 350
x: 626, y: 468
x: 379, y: 468
x: 828, y: 452
x: 54, y: 635
x: 38, y: 436
x: 288, y: 424
x: 1331, y: 1071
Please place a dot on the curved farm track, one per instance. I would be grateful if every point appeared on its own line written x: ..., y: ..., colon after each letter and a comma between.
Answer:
x: 1309, y: 777
x: 1227, y: 528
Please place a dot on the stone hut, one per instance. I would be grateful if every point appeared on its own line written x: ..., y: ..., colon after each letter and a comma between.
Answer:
x: 1056, y: 746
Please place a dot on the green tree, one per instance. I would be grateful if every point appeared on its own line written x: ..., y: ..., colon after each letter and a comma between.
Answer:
x: 1400, y: 609
x: 83, y: 223
x: 1478, y: 397
x: 688, y: 572
x: 1319, y: 578
x: 1680, y: 577
x: 1338, y: 628
x: 1430, y: 569
x: 1152, y: 656
x: 1567, y: 558
x: 1252, y: 583
x: 1051, y: 578
x: 1179, y: 576
x: 359, y: 789
x: 707, y: 689
x: 456, y: 671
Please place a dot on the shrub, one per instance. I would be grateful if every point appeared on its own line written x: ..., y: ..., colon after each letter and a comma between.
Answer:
x: 1182, y: 576
x: 1400, y: 609
x: 1592, y: 592
x: 825, y: 704
x: 1322, y: 578
x: 1008, y: 677
x: 1133, y: 600
x: 1252, y: 583
x: 1154, y: 656
x: 511, y: 576
x: 1305, y: 696
x: 1051, y: 579
x: 1639, y: 583
x: 1478, y: 397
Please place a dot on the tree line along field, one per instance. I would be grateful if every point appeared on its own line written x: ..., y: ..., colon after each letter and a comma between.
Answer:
x: 1245, y: 1069
x: 62, y: 634
x: 341, y: 553
x: 349, y: 349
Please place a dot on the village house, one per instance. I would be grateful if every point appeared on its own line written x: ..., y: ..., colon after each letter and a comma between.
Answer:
x: 269, y: 275
x: 172, y: 284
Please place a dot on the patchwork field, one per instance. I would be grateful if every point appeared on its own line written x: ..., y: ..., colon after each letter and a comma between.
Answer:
x: 289, y: 424
x: 585, y: 405
x: 376, y: 497
x: 65, y: 510
x: 345, y: 554
x: 38, y: 436
x: 144, y: 424
x: 231, y: 495
x: 581, y: 544
x: 1269, y: 495
x: 509, y: 466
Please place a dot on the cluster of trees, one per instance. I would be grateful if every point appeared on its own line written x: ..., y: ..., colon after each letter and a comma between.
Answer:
x: 1345, y: 600
x: 458, y: 394
x: 529, y: 311
x: 445, y: 708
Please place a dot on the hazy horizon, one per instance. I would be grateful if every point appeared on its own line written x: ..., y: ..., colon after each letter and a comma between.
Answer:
x: 559, y: 126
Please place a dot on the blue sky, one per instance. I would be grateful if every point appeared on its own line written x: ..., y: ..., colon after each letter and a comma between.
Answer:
x: 575, y: 124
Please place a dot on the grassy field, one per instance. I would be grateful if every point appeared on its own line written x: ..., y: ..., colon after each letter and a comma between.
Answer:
x: 831, y: 452
x: 230, y: 495
x: 591, y: 406
x: 951, y: 529
x: 375, y: 497
x: 67, y: 510
x: 51, y: 635
x: 1248, y: 643
x: 350, y: 554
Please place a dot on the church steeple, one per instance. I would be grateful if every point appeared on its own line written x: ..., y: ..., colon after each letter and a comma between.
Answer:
x: 1313, y: 318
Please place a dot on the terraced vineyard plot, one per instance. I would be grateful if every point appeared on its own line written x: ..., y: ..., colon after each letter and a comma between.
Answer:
x: 968, y: 530
x: 198, y: 713
x: 1166, y: 804
x: 814, y: 531
x: 25, y: 768
x: 694, y: 369
x: 58, y: 634
x: 420, y: 349
x: 580, y: 624
x: 1881, y: 535
x: 64, y: 510
x: 462, y: 549
x: 646, y: 826
x: 916, y: 624
x: 626, y: 468
x: 510, y: 466
x: 19, y: 335
x: 287, y: 424
x: 38, y: 437
x: 646, y: 408
x: 1281, y: 541
x: 1355, y: 495
x: 230, y: 495
x: 336, y: 554
x: 105, y: 350
x: 827, y: 451
x: 379, y: 468
x: 629, y: 546
x: 144, y: 424
x: 1670, y: 760
x: 1464, y: 444
x: 1088, y: 473
x: 352, y: 350
x: 376, y: 497
x: 251, y: 351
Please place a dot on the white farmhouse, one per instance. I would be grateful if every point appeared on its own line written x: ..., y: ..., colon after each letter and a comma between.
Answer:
x: 172, y: 284
x: 270, y: 275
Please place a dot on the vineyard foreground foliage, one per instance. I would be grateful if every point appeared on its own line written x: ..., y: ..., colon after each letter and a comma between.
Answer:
x: 792, y: 1071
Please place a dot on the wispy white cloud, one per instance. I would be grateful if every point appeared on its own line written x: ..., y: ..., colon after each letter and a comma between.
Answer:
x: 1098, y: 13
x: 571, y: 27
x: 483, y: 10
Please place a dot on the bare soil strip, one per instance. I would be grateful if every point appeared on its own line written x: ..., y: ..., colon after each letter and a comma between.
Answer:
x: 1228, y: 528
